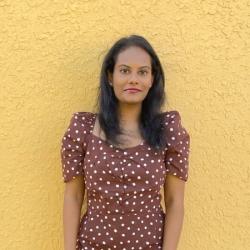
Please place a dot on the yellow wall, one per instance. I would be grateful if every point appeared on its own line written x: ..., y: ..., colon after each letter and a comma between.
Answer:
x: 50, y: 57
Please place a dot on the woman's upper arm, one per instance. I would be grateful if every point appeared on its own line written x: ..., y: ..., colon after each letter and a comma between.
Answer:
x: 75, y: 188
x: 72, y: 157
x: 173, y: 190
x: 176, y: 158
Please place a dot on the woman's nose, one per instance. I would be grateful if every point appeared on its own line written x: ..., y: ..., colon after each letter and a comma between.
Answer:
x: 133, y: 77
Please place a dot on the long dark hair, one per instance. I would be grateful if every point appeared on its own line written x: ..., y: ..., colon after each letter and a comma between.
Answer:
x: 151, y: 118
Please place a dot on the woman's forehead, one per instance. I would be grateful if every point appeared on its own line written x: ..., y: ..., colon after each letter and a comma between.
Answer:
x: 133, y: 56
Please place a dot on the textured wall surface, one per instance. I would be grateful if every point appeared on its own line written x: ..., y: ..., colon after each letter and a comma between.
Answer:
x: 50, y: 57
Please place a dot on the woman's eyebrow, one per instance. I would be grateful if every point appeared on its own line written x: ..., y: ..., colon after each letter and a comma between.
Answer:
x: 129, y: 66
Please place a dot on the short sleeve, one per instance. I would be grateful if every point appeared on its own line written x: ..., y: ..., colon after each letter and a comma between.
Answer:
x: 72, y: 148
x: 178, y: 146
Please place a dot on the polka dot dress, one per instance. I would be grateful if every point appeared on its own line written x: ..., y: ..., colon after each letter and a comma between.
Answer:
x: 123, y: 185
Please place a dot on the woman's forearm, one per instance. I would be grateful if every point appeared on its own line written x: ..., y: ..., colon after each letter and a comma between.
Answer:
x: 71, y: 221
x: 173, y: 226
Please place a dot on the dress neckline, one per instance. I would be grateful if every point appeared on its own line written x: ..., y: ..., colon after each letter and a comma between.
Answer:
x: 110, y: 144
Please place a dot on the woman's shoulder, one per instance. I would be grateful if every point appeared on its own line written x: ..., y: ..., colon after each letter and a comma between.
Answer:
x: 174, y: 125
x: 83, y: 116
x: 171, y: 115
x: 83, y: 113
x: 81, y: 121
x: 173, y: 122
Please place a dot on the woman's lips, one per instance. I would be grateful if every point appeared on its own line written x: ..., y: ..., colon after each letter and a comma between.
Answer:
x: 132, y: 90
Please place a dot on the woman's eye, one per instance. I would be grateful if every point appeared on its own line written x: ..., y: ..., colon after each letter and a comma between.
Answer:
x: 144, y: 72
x: 123, y: 70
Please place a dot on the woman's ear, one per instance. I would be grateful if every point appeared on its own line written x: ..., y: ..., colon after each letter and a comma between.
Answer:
x: 110, y: 78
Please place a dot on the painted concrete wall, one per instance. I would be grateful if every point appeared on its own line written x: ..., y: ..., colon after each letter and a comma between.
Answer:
x: 50, y: 57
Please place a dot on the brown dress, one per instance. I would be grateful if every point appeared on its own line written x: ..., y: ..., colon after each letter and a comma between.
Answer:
x: 123, y: 185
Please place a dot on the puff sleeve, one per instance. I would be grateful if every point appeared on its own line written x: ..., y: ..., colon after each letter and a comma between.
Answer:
x: 178, y: 146
x: 72, y: 150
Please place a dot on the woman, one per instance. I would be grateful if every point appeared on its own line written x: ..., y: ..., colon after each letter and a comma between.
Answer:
x: 122, y: 155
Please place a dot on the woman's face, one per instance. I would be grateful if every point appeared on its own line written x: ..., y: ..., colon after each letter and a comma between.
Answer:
x: 132, y: 70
